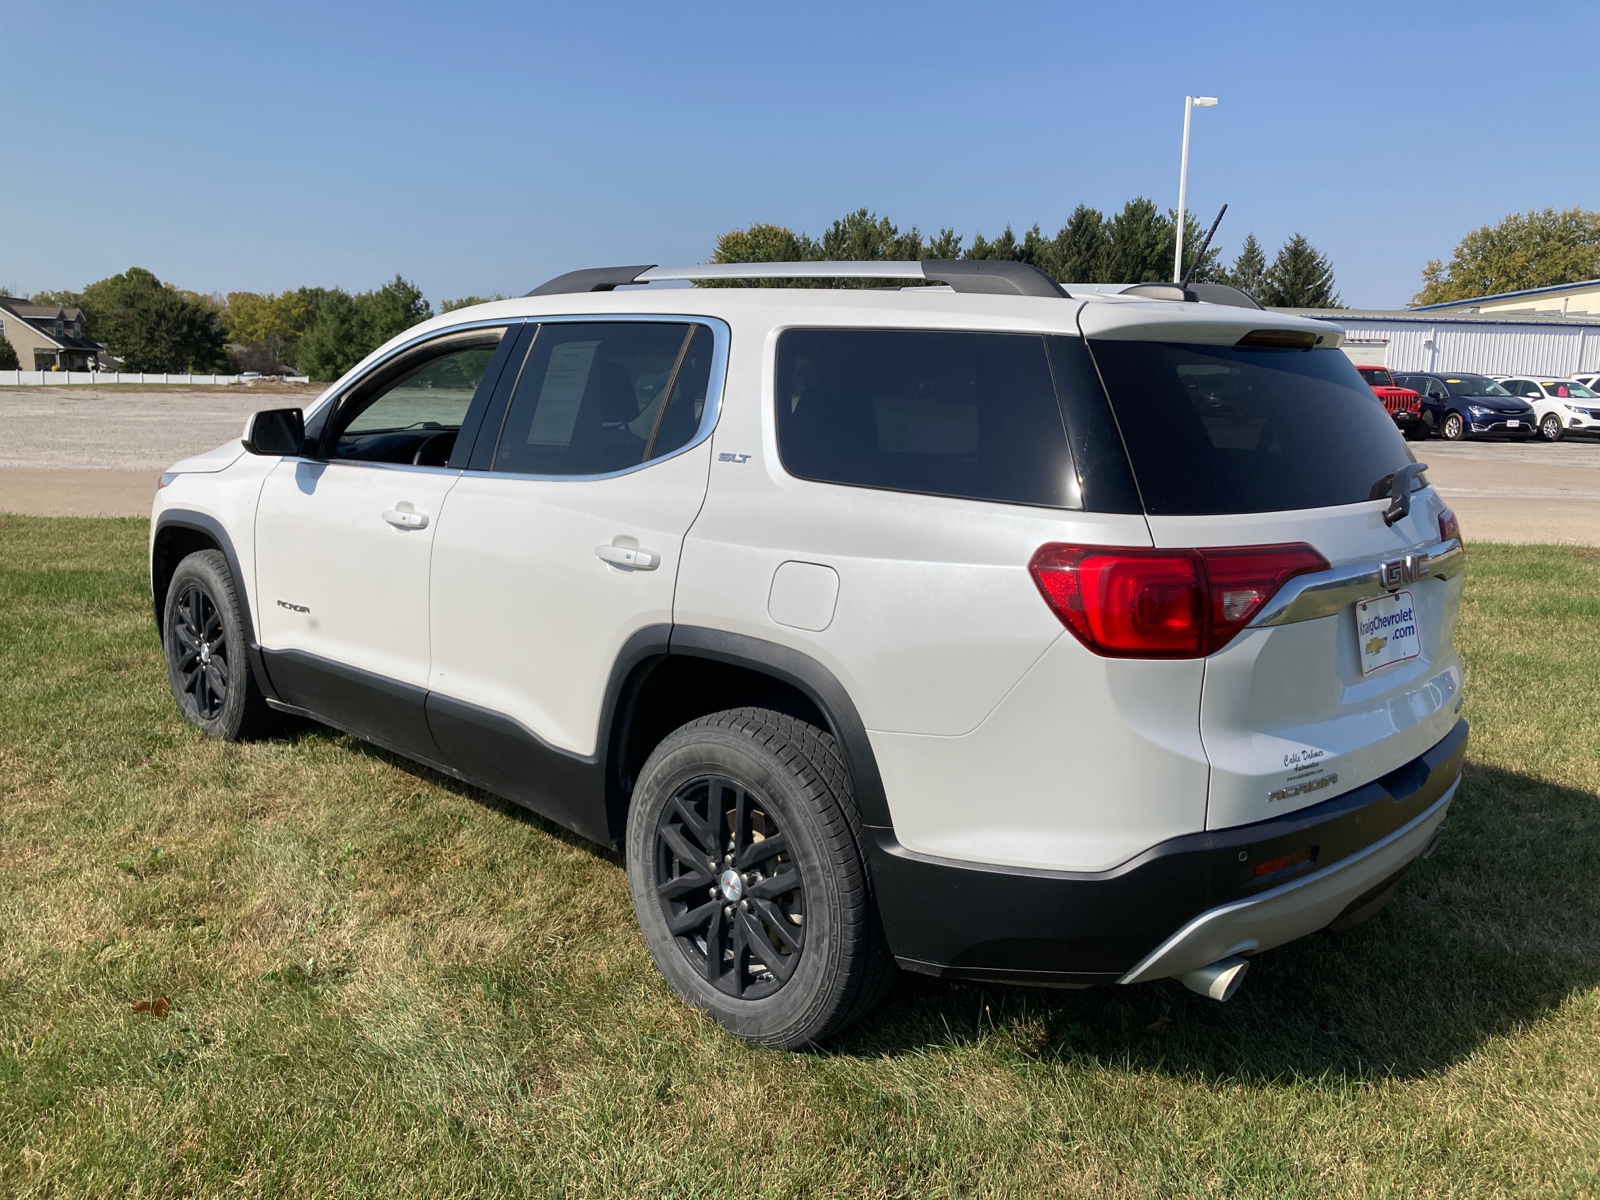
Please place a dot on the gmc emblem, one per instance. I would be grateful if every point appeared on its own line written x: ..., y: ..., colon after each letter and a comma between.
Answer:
x: 1400, y: 571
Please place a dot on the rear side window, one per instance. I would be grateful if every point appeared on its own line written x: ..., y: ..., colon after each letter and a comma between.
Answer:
x: 972, y: 415
x: 1218, y: 429
x: 602, y: 396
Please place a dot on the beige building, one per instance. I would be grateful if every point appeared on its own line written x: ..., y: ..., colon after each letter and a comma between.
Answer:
x: 46, y: 337
x: 1563, y: 299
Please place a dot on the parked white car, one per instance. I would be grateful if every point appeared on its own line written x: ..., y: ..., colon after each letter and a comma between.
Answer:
x: 996, y: 633
x: 1560, y: 406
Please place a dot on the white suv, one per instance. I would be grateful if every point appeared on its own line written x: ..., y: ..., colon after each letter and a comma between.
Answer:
x: 1560, y: 406
x: 993, y: 632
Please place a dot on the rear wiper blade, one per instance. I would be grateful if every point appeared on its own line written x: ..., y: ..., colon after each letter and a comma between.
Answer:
x: 1399, y: 491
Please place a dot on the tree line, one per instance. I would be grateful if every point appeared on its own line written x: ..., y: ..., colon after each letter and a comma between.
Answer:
x: 321, y: 332
x: 1521, y: 251
x: 1134, y: 245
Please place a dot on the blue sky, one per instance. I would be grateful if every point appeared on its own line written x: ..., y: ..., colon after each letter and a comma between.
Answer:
x: 485, y: 147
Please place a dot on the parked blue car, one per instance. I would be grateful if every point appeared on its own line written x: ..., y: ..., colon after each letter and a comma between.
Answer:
x: 1458, y: 405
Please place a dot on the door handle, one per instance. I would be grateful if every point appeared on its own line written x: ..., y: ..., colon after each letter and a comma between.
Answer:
x: 404, y: 518
x: 630, y: 557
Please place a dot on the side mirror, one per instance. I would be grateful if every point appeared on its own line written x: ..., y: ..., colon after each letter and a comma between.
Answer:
x: 275, y: 431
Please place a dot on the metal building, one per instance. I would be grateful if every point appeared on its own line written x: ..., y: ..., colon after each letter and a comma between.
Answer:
x: 1545, y: 344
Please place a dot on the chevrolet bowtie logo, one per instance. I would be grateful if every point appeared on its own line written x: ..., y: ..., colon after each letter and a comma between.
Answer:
x: 1376, y: 644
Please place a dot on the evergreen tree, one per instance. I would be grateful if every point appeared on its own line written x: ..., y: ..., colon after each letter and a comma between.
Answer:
x: 944, y: 247
x: 334, y: 342
x: 1299, y: 277
x: 8, y: 356
x: 1080, y: 248
x: 1249, y: 269
x: 1139, y: 244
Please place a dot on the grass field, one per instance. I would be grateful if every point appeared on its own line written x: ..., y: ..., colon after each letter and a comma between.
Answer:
x: 306, y: 967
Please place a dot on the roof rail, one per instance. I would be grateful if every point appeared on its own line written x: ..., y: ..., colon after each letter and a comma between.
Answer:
x: 984, y: 276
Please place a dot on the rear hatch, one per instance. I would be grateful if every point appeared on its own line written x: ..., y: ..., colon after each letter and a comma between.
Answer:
x: 1258, y: 445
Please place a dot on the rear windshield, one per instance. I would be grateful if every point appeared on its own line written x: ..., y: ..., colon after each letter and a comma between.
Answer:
x: 973, y: 415
x: 1376, y: 376
x: 1218, y: 429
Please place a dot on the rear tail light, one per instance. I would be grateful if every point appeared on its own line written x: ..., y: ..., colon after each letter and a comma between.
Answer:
x: 1129, y: 603
x: 1273, y: 865
x: 1449, y: 527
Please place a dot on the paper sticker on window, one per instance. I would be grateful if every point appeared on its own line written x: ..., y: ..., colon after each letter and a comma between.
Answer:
x: 559, y: 399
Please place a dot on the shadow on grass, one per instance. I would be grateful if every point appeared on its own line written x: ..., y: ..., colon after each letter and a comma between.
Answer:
x: 1498, y: 928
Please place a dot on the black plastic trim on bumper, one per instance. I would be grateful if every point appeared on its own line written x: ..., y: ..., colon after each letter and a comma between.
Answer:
x: 1015, y: 925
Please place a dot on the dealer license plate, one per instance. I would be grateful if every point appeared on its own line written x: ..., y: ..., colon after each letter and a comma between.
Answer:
x: 1386, y: 630
x: 1513, y: 424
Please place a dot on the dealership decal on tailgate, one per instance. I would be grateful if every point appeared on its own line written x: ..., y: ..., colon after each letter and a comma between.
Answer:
x: 1386, y: 631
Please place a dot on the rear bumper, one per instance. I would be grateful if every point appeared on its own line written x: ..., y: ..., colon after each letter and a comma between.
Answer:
x: 1158, y: 913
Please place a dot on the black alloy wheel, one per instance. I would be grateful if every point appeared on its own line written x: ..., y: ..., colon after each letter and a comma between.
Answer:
x: 200, y: 648
x: 747, y: 868
x: 1550, y: 428
x: 205, y: 642
x: 729, y: 887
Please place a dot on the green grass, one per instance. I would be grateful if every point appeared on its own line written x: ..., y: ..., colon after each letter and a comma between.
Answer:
x: 384, y: 984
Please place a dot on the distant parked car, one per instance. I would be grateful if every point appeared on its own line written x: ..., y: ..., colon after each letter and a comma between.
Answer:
x: 1459, y: 405
x: 1560, y: 406
x: 1403, y: 404
x: 250, y: 375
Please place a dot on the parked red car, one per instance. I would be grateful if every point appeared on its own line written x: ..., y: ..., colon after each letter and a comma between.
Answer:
x: 1404, y: 405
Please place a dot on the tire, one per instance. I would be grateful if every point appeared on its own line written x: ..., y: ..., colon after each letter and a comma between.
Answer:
x: 1417, y: 433
x: 1550, y: 429
x: 208, y: 665
x: 781, y: 949
x: 1454, y: 428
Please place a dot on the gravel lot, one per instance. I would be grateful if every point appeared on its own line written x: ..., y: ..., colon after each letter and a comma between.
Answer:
x: 98, y: 451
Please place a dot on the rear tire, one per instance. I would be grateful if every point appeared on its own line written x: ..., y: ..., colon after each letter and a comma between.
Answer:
x: 1417, y: 432
x: 1551, y: 429
x: 208, y: 662
x: 780, y: 947
x: 1454, y: 428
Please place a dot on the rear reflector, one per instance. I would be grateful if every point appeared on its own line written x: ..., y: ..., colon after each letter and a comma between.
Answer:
x: 1132, y: 603
x: 1273, y: 865
x: 1449, y: 527
x: 1279, y: 339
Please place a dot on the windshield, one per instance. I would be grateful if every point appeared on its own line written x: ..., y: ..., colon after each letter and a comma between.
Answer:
x: 1474, y: 385
x: 1219, y: 429
x: 1376, y: 376
x: 1562, y: 390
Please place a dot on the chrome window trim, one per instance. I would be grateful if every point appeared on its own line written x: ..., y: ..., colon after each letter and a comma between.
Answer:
x: 720, y: 337
x: 343, y: 387
x: 1307, y: 597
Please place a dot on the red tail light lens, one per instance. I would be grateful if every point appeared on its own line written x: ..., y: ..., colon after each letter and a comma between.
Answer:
x: 1449, y: 527
x: 1127, y: 603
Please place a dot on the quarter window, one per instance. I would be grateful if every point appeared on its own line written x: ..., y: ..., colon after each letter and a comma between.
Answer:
x: 972, y: 415
x: 598, y: 397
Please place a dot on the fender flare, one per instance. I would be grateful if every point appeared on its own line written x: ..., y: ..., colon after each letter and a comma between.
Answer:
x: 199, y: 522
x: 819, y: 685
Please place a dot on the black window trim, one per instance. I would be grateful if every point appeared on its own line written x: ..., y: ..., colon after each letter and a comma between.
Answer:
x: 501, y: 407
x: 770, y: 386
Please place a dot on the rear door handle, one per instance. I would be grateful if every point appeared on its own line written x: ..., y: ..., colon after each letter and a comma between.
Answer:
x: 628, y: 556
x: 405, y: 518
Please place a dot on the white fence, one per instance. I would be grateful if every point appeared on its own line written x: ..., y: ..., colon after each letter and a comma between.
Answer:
x: 46, y: 378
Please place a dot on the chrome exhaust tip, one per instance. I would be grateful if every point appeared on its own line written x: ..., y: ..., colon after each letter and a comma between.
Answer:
x: 1220, y: 980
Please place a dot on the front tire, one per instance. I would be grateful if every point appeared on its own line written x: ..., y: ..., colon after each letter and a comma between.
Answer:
x: 208, y: 665
x: 1550, y: 429
x: 1417, y: 432
x: 1454, y: 428
x: 749, y: 880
